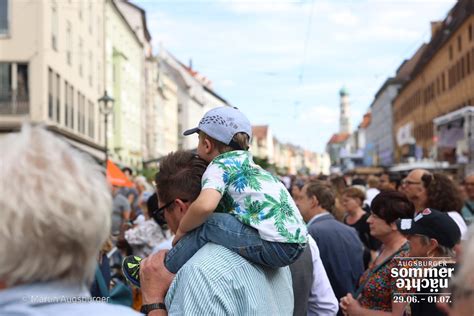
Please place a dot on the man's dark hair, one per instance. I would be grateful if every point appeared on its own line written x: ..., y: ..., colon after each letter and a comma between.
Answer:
x: 359, y: 181
x: 392, y: 205
x: 442, y: 193
x: 127, y: 169
x: 180, y: 176
x: 395, y: 178
x: 323, y: 192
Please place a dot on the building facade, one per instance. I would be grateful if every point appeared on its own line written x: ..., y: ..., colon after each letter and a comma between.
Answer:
x: 51, y: 68
x: 442, y: 82
x: 195, y: 96
x: 124, y: 82
x: 136, y: 18
x: 263, y: 143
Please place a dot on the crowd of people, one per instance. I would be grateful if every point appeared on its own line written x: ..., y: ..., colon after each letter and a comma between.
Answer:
x: 72, y: 244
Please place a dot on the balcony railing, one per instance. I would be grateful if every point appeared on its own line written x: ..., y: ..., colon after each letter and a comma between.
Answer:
x: 11, y: 104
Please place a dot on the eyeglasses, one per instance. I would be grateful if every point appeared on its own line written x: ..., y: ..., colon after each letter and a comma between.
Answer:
x: 409, y: 182
x: 159, y: 214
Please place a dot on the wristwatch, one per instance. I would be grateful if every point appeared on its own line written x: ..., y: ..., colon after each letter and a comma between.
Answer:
x: 146, y: 308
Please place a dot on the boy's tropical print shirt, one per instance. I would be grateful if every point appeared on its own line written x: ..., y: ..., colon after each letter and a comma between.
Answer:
x: 255, y: 197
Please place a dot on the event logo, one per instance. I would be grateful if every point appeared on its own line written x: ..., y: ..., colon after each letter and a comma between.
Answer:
x: 422, y: 279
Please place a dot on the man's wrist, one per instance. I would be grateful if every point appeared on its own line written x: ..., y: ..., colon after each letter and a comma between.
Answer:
x: 152, y: 299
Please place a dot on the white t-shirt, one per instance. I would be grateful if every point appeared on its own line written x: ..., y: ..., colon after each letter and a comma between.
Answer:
x: 460, y: 222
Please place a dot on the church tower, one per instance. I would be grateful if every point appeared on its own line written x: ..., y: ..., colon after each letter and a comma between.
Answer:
x: 344, y: 120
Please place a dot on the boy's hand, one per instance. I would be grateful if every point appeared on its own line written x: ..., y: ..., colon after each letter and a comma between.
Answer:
x: 179, y: 234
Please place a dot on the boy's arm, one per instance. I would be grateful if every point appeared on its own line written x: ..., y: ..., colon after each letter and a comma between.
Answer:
x: 199, y: 210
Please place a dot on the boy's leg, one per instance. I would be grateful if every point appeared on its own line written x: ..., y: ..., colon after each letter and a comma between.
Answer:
x: 222, y: 229
x: 277, y: 254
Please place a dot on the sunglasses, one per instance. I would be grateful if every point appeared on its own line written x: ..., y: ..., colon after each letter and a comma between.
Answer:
x: 159, y: 214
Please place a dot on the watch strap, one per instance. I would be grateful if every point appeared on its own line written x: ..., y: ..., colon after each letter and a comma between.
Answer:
x: 146, y: 308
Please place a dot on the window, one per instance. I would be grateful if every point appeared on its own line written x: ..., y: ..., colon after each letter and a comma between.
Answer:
x: 450, y: 52
x: 80, y: 9
x: 468, y: 63
x: 90, y: 68
x: 58, y: 98
x: 80, y: 56
x: 54, y: 26
x: 83, y: 103
x: 79, y: 112
x: 91, y: 118
x: 90, y: 17
x: 72, y: 115
x: 50, y: 93
x: 470, y: 32
x: 13, y: 88
x: 66, y: 104
x: 459, y: 43
x: 443, y: 81
x: 69, y: 43
x: 81, y: 100
x: 99, y: 78
x: 3, y: 17
x: 99, y: 28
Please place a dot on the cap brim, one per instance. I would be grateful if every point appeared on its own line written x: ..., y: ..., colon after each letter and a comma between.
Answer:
x: 191, y: 131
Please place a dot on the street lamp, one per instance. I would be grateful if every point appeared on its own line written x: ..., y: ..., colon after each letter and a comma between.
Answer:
x: 106, y: 109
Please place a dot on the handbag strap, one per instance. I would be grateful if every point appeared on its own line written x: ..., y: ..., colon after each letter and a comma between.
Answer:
x: 377, y: 268
x: 103, y: 288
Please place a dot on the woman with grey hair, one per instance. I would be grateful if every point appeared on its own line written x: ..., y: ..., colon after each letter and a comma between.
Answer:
x: 56, y: 209
x: 432, y: 235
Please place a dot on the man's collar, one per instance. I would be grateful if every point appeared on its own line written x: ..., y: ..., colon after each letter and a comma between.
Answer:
x: 315, y: 217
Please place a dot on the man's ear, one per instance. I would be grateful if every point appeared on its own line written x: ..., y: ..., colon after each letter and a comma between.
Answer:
x: 182, y: 206
x: 314, y: 201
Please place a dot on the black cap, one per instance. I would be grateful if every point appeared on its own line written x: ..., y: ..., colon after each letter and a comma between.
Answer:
x: 433, y: 224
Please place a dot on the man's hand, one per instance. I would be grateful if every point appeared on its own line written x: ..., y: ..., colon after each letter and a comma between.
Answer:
x: 155, y: 279
x: 179, y: 234
x: 350, y: 306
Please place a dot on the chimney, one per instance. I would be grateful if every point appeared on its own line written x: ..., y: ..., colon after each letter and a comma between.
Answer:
x: 435, y: 27
x: 190, y: 63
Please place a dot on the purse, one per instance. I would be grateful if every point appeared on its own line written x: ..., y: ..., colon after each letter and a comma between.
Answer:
x: 120, y: 294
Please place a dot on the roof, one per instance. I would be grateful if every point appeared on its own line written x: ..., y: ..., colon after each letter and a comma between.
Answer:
x: 215, y: 94
x: 461, y: 11
x: 117, y: 9
x: 143, y: 12
x: 201, y: 78
x: 260, y: 131
x: 339, y: 138
x: 366, y: 120
x: 403, y: 73
x: 344, y: 91
x: 405, y: 70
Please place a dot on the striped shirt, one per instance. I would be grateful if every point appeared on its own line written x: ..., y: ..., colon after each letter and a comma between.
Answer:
x: 217, y: 281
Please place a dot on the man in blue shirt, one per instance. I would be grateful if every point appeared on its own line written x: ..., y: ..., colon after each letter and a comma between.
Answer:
x: 215, y: 280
